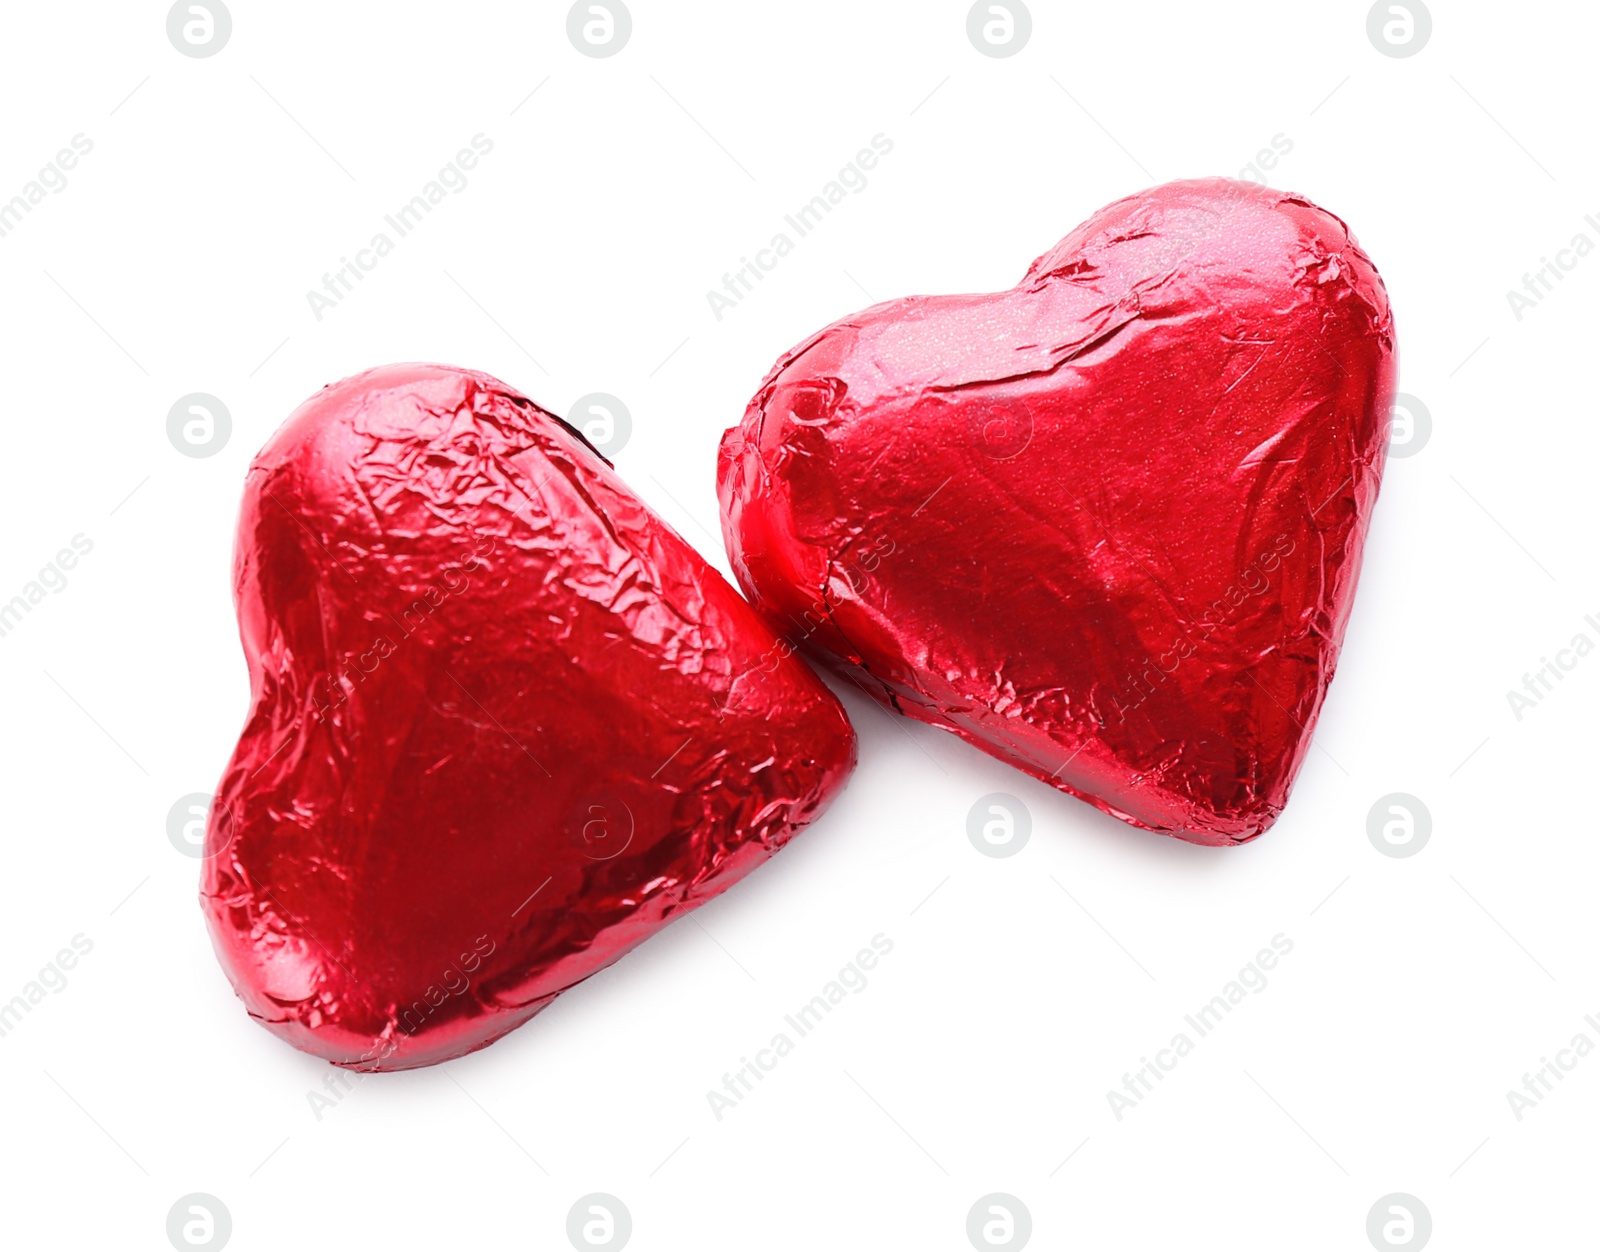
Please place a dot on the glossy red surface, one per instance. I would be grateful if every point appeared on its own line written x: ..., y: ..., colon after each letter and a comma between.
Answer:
x: 504, y: 723
x: 1105, y: 525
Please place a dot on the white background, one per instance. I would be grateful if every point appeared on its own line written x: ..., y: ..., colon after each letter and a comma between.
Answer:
x: 1419, y: 991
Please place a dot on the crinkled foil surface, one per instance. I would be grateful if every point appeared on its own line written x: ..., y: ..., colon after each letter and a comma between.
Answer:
x: 504, y: 723
x: 1105, y: 525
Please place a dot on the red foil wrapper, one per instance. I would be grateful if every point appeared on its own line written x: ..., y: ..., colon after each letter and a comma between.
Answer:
x: 1105, y: 525
x: 504, y: 723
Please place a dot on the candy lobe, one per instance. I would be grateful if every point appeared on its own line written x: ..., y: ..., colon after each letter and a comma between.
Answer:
x: 504, y: 723
x: 1106, y: 525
